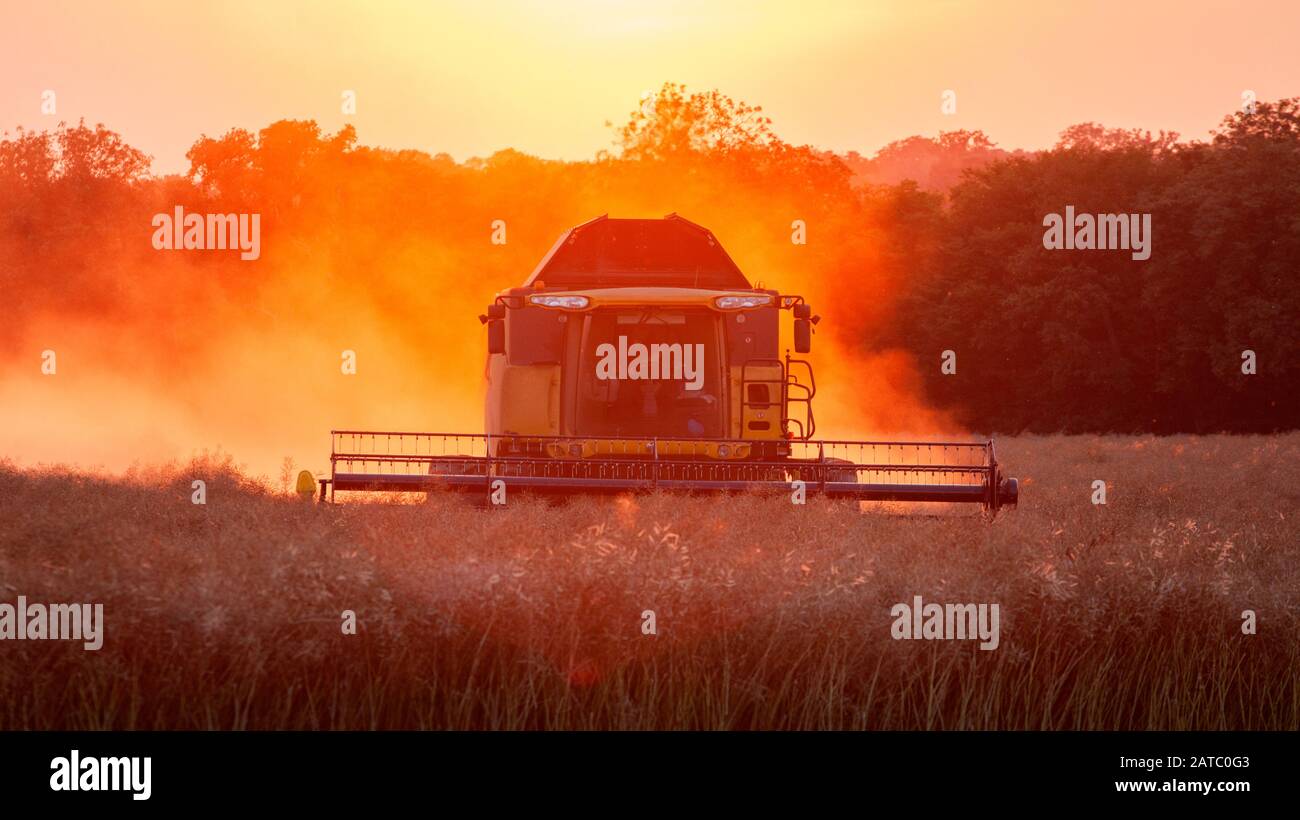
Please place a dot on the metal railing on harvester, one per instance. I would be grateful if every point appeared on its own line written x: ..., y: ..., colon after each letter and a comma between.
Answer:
x: 865, y: 470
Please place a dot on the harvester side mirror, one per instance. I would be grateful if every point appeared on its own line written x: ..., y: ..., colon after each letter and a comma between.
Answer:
x: 802, y: 336
x: 496, y: 323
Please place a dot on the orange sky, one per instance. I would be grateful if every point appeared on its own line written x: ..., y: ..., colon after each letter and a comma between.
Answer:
x: 543, y: 76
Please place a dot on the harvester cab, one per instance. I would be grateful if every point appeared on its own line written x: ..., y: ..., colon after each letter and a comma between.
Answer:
x: 637, y: 329
x: 637, y: 356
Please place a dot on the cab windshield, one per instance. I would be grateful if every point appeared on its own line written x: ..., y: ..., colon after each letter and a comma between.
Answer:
x: 650, y: 373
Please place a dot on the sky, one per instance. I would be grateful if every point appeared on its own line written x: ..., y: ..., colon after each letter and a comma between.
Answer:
x: 545, y: 76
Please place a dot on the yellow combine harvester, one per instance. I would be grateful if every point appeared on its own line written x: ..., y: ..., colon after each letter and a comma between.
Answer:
x: 638, y: 357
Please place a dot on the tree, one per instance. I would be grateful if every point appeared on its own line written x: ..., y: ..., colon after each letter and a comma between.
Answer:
x: 672, y: 124
x: 97, y: 153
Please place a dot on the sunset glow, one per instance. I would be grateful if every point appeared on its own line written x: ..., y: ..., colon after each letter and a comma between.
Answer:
x: 544, y: 77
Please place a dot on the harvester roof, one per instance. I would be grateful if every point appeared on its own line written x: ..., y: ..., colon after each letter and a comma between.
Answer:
x: 668, y: 252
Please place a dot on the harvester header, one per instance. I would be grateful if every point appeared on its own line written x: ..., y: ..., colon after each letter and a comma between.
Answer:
x: 638, y: 357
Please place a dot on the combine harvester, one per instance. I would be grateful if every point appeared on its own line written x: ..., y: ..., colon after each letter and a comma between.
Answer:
x: 637, y: 357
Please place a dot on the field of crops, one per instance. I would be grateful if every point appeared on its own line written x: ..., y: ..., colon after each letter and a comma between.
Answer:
x: 766, y: 614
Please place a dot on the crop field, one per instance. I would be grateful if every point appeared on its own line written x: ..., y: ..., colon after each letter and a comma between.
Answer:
x: 766, y: 615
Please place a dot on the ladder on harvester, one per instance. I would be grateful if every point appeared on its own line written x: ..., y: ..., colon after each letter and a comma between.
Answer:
x: 792, y: 392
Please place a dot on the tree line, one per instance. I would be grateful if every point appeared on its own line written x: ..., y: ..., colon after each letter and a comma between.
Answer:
x: 931, y: 245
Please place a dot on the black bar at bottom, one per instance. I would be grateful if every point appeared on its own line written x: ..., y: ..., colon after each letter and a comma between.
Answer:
x: 974, y: 770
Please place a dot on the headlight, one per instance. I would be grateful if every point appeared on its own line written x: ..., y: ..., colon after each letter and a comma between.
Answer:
x: 723, y: 451
x: 742, y: 302
x: 565, y: 302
